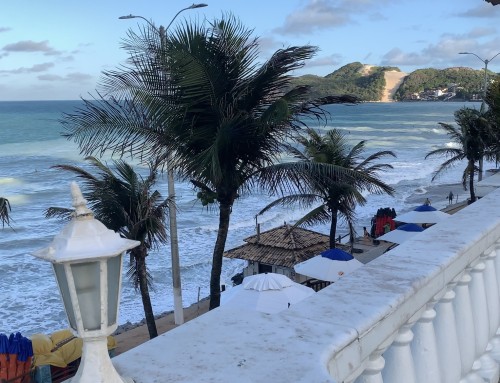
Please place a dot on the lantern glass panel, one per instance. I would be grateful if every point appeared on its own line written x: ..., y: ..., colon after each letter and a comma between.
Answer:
x: 62, y: 281
x: 114, y: 281
x: 87, y: 284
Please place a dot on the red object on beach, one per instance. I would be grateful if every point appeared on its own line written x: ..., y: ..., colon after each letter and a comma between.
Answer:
x: 4, y: 349
x: 3, y: 367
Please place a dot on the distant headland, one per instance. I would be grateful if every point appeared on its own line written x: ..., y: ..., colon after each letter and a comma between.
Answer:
x: 386, y: 84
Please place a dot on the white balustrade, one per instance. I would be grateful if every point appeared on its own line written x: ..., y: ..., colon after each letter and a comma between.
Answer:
x: 399, y: 365
x: 447, y: 338
x: 424, y: 348
x: 426, y: 311
x: 465, y: 322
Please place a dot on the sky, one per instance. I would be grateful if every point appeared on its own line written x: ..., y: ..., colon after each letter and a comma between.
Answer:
x: 57, y: 50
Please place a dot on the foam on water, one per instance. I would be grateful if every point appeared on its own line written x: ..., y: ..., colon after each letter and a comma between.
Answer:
x: 30, y: 145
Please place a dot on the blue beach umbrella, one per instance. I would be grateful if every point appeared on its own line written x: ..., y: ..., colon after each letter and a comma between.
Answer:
x: 402, y: 233
x: 337, y: 255
x: 4, y: 344
x: 329, y: 266
x: 423, y: 214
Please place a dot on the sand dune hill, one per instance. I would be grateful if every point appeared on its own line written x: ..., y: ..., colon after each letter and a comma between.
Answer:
x: 392, y: 81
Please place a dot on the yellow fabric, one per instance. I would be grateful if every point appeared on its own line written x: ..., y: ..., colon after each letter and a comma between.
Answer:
x: 42, y: 344
x: 71, y: 351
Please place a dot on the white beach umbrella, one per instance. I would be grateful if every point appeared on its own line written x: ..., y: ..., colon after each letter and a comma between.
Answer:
x: 423, y: 214
x: 330, y: 265
x: 269, y: 293
x: 402, y: 233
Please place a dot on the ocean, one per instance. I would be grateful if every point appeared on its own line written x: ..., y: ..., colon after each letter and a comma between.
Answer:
x: 30, y: 144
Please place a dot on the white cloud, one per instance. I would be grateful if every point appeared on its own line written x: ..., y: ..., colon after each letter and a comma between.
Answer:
x: 328, y: 14
x: 73, y: 77
x: 331, y: 60
x: 31, y: 46
x: 33, y: 69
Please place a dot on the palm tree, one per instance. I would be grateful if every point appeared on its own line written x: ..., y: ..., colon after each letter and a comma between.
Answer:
x: 338, y: 194
x: 5, y: 211
x: 124, y: 202
x: 469, y: 138
x: 207, y: 100
x: 492, y: 116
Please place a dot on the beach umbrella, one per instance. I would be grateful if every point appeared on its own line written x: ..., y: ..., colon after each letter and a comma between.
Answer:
x: 4, y: 350
x: 402, y: 233
x: 330, y: 265
x: 269, y: 293
x: 423, y: 214
x: 24, y: 357
x: 14, y: 349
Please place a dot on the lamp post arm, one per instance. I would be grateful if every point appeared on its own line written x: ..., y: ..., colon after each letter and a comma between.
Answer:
x: 491, y: 59
x: 177, y: 14
x: 139, y: 17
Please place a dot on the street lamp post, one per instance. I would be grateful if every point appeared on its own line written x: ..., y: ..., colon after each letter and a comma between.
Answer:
x: 486, y: 62
x: 174, y: 239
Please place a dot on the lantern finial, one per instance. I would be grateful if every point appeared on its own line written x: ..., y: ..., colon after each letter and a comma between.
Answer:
x: 79, y: 203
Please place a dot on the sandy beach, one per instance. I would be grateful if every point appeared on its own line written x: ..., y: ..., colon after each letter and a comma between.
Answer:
x: 127, y: 339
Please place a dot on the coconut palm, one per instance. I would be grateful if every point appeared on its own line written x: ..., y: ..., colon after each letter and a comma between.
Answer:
x: 124, y: 202
x: 206, y: 98
x: 469, y: 138
x: 5, y: 211
x: 337, y: 195
x: 492, y: 115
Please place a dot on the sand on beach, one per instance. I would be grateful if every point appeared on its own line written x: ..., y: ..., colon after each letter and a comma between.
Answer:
x: 131, y: 338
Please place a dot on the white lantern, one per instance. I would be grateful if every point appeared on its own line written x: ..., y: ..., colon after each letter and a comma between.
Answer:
x: 87, y: 262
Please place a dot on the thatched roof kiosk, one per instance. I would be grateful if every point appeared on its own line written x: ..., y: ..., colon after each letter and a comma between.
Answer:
x: 281, y: 247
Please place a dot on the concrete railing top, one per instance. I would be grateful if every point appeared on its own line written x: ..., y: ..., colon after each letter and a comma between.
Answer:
x: 328, y: 337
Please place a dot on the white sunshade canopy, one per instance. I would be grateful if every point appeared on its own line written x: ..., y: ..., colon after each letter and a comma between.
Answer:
x: 330, y: 265
x: 269, y: 293
x: 402, y: 233
x: 423, y: 214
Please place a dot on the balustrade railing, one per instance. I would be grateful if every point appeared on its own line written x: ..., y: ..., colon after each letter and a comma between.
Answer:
x: 426, y: 311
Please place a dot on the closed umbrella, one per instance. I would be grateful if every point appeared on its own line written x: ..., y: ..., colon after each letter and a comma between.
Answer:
x: 330, y: 265
x: 423, y: 214
x: 24, y: 358
x: 269, y: 293
x: 14, y: 349
x: 4, y: 350
x: 402, y: 233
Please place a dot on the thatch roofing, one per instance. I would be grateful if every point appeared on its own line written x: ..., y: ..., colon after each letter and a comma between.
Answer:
x: 281, y: 247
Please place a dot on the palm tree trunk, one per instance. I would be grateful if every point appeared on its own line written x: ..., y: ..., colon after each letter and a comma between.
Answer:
x: 224, y: 215
x: 471, y: 182
x: 146, y: 299
x: 333, y: 228
x: 480, y: 175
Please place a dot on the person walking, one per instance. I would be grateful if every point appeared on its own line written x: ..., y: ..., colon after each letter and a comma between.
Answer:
x: 450, y: 198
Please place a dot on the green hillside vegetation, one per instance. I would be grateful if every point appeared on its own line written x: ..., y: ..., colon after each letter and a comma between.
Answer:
x: 349, y: 79
x: 457, y: 83
x: 465, y: 81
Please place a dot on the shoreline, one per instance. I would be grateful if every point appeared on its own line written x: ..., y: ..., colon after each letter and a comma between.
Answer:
x: 130, y: 335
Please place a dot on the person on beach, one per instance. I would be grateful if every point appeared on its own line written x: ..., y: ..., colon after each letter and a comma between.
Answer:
x: 427, y: 202
x: 450, y: 198
x: 365, y: 233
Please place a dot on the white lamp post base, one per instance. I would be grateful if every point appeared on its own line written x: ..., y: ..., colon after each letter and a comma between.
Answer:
x: 96, y: 366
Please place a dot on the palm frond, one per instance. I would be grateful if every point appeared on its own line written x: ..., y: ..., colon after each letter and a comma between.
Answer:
x: 5, y: 210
